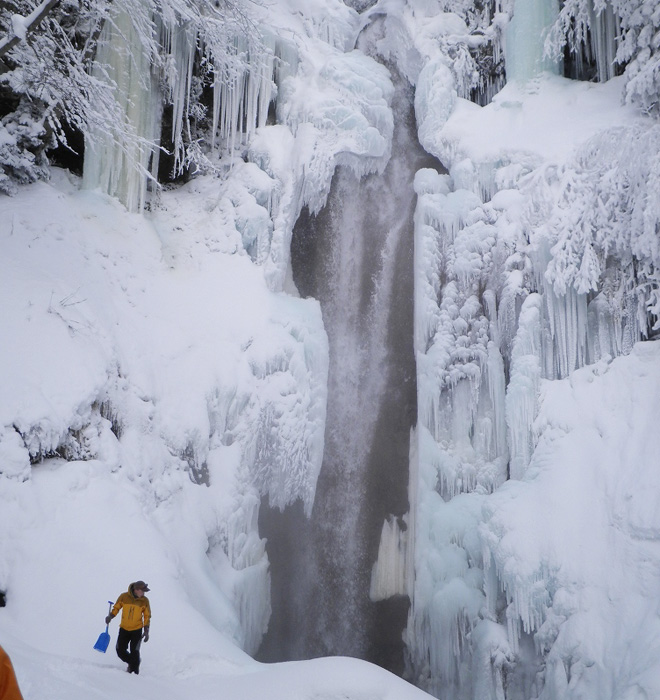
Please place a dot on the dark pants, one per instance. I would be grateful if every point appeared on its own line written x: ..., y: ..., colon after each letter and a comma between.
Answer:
x: 132, y: 639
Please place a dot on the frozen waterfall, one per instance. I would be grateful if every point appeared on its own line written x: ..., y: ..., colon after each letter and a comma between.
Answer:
x: 451, y: 298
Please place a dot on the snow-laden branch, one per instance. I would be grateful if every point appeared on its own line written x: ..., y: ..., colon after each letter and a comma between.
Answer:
x: 22, y: 25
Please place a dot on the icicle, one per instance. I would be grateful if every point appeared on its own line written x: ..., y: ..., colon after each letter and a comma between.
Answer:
x: 522, y: 392
x: 389, y: 573
x: 180, y: 42
x: 570, y: 339
x: 605, y: 29
x: 244, y: 90
x: 601, y: 45
x: 602, y: 339
x: 564, y: 335
x: 497, y: 390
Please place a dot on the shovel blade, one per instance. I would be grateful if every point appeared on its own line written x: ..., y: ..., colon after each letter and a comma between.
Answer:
x: 102, y: 642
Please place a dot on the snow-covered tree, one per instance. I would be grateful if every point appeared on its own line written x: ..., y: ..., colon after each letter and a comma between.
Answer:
x: 605, y: 225
x: 615, y: 34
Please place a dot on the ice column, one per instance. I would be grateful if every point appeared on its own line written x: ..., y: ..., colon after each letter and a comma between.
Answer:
x: 389, y: 575
x: 120, y: 162
x: 524, y: 383
x: 525, y: 39
x: 605, y: 30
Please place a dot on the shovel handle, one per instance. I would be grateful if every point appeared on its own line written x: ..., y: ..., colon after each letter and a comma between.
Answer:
x: 109, y: 611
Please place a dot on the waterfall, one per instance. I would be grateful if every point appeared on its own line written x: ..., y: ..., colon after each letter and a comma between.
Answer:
x: 356, y: 257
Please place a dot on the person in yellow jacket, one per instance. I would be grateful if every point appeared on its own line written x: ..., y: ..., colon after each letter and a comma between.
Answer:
x: 8, y: 684
x: 134, y: 625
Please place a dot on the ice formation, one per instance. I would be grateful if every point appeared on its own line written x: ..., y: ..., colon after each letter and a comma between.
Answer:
x: 121, y: 163
x: 391, y: 573
x: 525, y: 42
x: 515, y: 286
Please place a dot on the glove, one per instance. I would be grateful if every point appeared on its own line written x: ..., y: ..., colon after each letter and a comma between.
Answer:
x: 145, y: 633
x: 107, y: 619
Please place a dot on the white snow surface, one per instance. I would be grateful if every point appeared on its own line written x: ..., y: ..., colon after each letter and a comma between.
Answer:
x: 565, y: 112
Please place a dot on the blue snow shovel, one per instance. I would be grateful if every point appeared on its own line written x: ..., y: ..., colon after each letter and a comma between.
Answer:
x: 104, y: 638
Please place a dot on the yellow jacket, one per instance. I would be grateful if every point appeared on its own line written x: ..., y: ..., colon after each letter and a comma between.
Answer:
x: 135, y: 612
x: 8, y: 684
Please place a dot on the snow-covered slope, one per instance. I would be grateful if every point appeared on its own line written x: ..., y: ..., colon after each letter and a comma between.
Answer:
x: 205, y: 671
